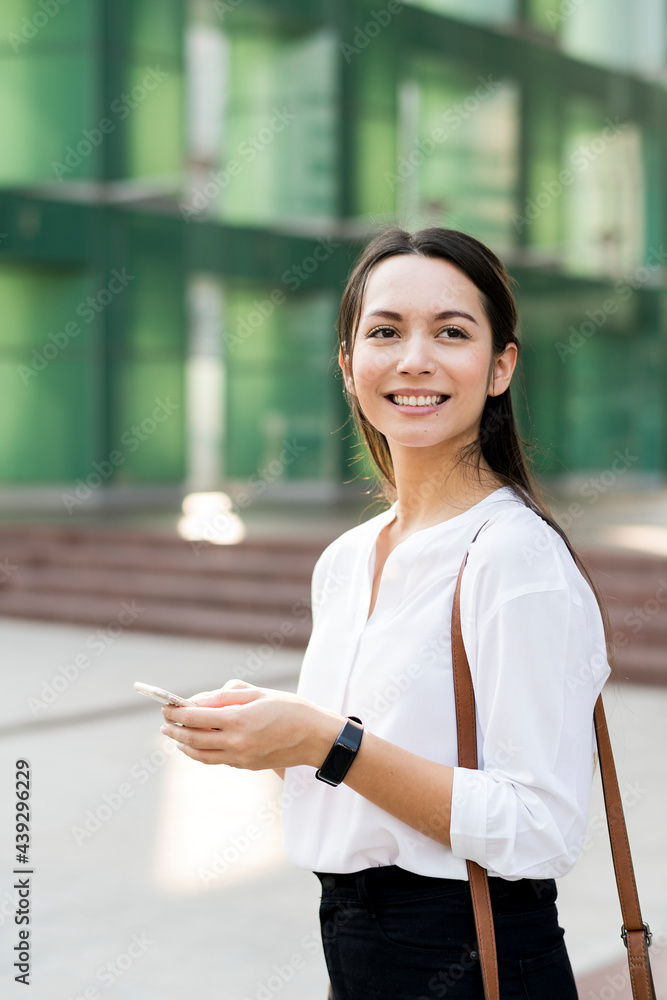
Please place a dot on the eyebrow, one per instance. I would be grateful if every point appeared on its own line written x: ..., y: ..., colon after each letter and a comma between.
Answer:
x: 447, y: 314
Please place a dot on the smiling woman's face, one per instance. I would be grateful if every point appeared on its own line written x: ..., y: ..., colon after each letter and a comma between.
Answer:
x: 422, y: 359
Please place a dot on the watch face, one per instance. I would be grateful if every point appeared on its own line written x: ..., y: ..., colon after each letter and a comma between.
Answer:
x: 336, y: 765
x: 339, y: 759
x: 341, y: 754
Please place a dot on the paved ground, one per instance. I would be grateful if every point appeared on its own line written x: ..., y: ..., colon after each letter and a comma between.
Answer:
x: 147, y: 883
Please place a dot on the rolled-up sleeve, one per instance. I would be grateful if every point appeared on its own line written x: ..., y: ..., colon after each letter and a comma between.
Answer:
x: 538, y: 664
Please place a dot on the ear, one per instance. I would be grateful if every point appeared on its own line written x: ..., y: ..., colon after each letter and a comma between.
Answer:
x: 346, y: 368
x: 502, y: 370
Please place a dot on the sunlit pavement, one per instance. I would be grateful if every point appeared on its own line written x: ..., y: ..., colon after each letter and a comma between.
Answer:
x: 156, y: 877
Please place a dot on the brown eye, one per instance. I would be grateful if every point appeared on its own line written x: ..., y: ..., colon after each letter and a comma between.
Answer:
x: 380, y: 329
x: 458, y: 333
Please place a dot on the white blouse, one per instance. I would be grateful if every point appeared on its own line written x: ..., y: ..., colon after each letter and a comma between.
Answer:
x: 536, y: 647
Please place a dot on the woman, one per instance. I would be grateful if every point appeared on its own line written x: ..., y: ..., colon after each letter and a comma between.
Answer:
x: 427, y: 351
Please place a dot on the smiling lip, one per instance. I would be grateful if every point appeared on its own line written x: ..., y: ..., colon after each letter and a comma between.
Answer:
x: 419, y: 391
x: 424, y: 408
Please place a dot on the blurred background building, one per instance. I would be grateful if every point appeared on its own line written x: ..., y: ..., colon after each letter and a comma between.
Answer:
x: 185, y: 184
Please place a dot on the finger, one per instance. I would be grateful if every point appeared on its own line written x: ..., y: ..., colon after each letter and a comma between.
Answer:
x: 196, y: 717
x: 202, y: 756
x: 201, y: 694
x: 240, y: 694
x: 200, y: 739
x: 193, y: 736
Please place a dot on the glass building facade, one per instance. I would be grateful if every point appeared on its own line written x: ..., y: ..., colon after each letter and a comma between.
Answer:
x: 183, y: 186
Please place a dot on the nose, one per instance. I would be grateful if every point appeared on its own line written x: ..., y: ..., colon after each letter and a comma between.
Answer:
x: 416, y: 356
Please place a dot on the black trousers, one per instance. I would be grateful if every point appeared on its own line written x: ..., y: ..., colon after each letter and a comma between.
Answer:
x: 393, y: 935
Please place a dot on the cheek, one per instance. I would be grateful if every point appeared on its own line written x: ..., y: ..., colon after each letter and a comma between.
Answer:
x: 472, y: 371
x: 368, y: 367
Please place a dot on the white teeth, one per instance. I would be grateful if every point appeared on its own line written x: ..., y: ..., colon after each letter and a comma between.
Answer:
x: 418, y: 400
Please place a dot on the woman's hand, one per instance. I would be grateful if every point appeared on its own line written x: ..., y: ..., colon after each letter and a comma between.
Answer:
x: 253, y: 728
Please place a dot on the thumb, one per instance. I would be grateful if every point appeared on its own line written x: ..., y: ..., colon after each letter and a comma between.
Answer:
x: 234, y: 692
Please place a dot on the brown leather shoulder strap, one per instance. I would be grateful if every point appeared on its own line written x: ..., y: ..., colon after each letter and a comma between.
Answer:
x: 636, y: 933
x: 467, y: 747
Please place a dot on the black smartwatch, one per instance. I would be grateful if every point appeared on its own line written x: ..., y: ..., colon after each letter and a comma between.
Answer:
x: 340, y: 757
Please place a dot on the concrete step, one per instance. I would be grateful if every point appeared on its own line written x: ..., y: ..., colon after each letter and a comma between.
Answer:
x: 634, y: 586
x: 111, y: 616
x: 242, y: 593
x: 260, y: 559
x: 257, y: 588
x: 237, y: 591
x: 641, y: 664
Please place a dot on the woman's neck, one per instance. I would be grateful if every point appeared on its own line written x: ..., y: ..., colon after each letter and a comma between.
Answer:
x: 430, y: 490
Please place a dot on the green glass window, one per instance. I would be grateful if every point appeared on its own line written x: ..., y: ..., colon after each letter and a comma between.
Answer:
x: 587, y: 348
x: 282, y: 396
x: 278, y: 157
x: 588, y: 206
x: 47, y: 124
x: 616, y: 34
x: 458, y: 137
x: 373, y: 121
x: 146, y: 326
x: 604, y: 203
x: 73, y: 116
x: 47, y: 375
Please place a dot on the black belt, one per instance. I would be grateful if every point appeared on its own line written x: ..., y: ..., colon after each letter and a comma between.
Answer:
x: 517, y: 890
x: 382, y: 875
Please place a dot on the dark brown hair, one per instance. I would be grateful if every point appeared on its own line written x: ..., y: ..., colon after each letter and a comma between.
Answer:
x: 499, y: 442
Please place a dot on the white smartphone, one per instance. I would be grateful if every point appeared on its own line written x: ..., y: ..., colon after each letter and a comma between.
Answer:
x: 164, y: 697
